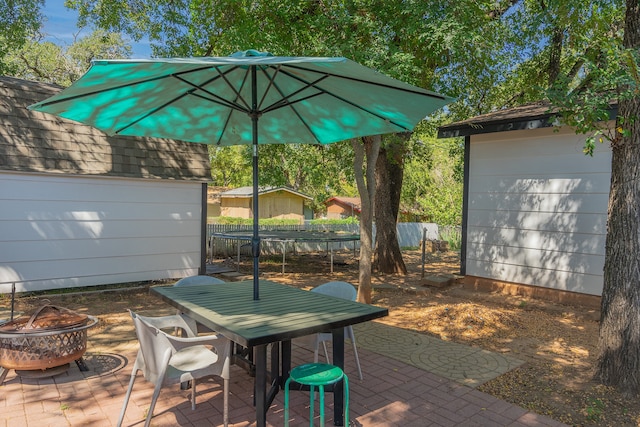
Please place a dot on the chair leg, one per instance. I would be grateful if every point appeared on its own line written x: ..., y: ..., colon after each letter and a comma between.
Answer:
x: 315, y: 354
x: 286, y: 402
x: 326, y: 353
x: 321, y: 393
x: 346, y: 400
x: 126, y: 399
x: 355, y: 353
x: 225, y: 410
x: 193, y: 394
x: 154, y: 399
x: 311, y: 404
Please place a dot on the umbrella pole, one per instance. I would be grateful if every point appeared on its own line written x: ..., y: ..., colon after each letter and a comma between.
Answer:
x: 255, y: 242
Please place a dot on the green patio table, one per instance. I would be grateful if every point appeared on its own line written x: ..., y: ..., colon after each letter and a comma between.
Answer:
x: 281, y: 314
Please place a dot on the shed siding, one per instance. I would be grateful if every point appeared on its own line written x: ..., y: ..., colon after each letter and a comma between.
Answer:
x: 235, y: 207
x: 538, y: 209
x: 281, y: 205
x: 69, y: 231
x: 335, y: 210
x: 278, y: 204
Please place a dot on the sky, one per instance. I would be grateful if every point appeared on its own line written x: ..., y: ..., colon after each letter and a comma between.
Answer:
x: 61, y: 24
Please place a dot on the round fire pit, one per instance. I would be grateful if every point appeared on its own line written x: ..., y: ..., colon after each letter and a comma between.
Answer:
x: 52, y: 337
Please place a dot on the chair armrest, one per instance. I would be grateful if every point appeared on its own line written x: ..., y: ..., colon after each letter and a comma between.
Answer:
x: 213, y: 340
x: 173, y: 321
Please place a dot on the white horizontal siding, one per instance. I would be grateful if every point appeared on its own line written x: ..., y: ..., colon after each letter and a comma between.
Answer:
x: 65, y: 231
x: 537, y: 210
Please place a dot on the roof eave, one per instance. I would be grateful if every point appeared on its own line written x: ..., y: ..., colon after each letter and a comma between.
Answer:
x: 490, y: 127
x: 469, y: 127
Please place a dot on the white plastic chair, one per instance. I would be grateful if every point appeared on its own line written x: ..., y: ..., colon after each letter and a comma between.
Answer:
x: 194, y: 281
x: 198, y: 280
x: 208, y: 280
x: 342, y: 290
x: 165, y: 359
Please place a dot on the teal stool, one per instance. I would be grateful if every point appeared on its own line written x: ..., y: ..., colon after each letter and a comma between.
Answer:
x: 316, y: 375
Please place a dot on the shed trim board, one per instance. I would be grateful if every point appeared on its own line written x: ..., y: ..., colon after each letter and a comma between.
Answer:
x: 59, y: 231
x: 536, y: 209
x: 247, y: 192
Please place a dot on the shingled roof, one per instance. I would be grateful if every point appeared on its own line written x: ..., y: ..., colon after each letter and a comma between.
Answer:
x: 38, y: 142
x: 534, y: 115
x: 528, y: 116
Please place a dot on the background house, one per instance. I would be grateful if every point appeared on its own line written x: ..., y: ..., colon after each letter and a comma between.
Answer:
x: 80, y: 208
x: 342, y: 207
x: 535, y: 206
x: 273, y: 202
x: 213, y: 201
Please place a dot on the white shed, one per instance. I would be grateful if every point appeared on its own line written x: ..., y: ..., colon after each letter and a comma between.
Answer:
x: 78, y: 208
x: 535, y: 206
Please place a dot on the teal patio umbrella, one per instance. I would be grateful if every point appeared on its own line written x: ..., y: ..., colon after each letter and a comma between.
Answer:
x: 249, y: 97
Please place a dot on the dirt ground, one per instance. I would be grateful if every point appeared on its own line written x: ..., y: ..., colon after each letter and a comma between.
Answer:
x: 557, y: 342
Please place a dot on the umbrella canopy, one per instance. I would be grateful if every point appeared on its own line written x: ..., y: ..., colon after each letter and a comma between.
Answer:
x: 247, y: 98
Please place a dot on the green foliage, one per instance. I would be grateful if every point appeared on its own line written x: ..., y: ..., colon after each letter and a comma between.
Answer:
x: 19, y: 20
x: 587, y: 104
x: 23, y: 53
x: 452, y: 235
x: 318, y: 171
x: 230, y: 166
x: 432, y: 187
x: 52, y: 63
x: 595, y: 410
x: 491, y: 54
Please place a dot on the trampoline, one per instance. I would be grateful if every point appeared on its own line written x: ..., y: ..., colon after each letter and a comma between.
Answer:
x: 285, y: 237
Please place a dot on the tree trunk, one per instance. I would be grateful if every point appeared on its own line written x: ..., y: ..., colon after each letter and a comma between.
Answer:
x: 555, y: 55
x: 365, y: 179
x: 618, y: 362
x: 389, y: 174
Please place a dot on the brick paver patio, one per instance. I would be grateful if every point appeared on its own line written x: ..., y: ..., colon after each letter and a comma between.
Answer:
x: 393, y: 392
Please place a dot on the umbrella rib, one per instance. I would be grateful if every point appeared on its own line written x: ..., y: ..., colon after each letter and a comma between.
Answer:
x: 226, y: 122
x: 223, y: 101
x: 271, y: 83
x: 368, y: 82
x: 331, y: 94
x: 237, y: 92
x: 153, y: 111
x: 219, y: 101
x: 284, y: 99
x: 234, y: 105
x: 112, y: 88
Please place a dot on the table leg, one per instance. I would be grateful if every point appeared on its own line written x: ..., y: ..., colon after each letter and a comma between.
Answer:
x: 286, y: 361
x: 275, y: 379
x: 338, y: 388
x: 261, y: 385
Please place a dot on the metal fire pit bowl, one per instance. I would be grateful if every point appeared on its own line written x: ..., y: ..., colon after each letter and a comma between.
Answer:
x: 51, y: 341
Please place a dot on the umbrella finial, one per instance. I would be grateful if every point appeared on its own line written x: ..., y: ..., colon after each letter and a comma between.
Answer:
x: 250, y: 52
